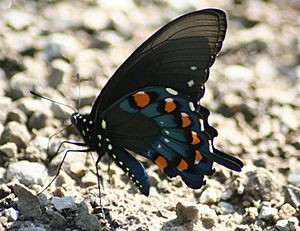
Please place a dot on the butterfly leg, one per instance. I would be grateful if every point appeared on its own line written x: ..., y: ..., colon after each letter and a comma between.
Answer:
x: 99, y: 182
x: 60, y: 165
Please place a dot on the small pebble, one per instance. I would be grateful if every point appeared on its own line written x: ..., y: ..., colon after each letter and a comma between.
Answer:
x: 268, y: 213
x: 226, y: 208
x: 210, y: 196
x: 28, y: 202
x: 10, y: 149
x: 28, y: 173
x: 16, y: 133
x: 11, y: 214
x: 286, y: 211
x: 64, y: 203
x: 187, y: 212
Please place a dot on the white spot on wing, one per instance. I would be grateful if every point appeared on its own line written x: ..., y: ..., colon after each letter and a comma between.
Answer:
x: 166, y: 140
x: 171, y: 91
x: 110, y: 147
x: 191, y: 83
x: 103, y: 124
x: 167, y: 132
x: 99, y: 137
x: 192, y: 106
x: 169, y: 100
x: 193, y: 68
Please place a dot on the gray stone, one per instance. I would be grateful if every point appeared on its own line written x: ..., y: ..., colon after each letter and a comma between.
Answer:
x: 37, y: 70
x: 18, y: 19
x: 16, y: 133
x: 293, y: 223
x: 187, y: 212
x: 89, y: 179
x: 282, y: 225
x: 1, y: 129
x: 207, y: 216
x: 38, y: 120
x: 95, y: 18
x: 286, y: 211
x: 78, y: 169
x: 20, y: 86
x: 71, y: 157
x: 61, y: 45
x: 3, y: 83
x: 226, y: 208
x: 238, y: 73
x: 292, y: 195
x: 9, y: 149
x: 58, y: 221
x: 28, y: 203
x: 15, y: 114
x: 4, y: 190
x: 61, y: 112
x: 30, y: 105
x: 28, y: 173
x: 210, y: 196
x: 260, y: 184
x: 60, y: 71
x: 2, y: 172
x: 11, y: 214
x: 32, y: 228
x: 87, y: 95
x: 19, y: 41
x: 268, y: 213
x: 88, y: 63
x: 5, y: 105
x: 227, y: 194
x: 34, y: 154
x: 85, y: 220
x: 63, y: 203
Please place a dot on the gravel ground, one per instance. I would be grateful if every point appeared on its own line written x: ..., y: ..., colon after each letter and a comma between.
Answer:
x: 253, y: 95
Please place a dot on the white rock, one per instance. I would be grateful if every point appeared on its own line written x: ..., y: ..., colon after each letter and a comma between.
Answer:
x: 28, y: 173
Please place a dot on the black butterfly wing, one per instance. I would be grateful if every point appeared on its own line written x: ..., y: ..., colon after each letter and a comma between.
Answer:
x: 177, y: 56
x: 161, y: 124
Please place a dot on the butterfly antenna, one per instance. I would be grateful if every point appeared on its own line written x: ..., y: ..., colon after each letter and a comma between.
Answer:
x: 51, y: 100
x: 79, y: 98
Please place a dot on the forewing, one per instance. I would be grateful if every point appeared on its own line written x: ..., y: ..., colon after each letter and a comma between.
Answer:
x: 177, y: 56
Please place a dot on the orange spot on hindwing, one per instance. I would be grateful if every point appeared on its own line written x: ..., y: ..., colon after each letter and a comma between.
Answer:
x: 169, y: 105
x: 183, y: 165
x: 161, y: 163
x: 141, y: 99
x: 185, y: 120
x: 198, y: 156
x: 195, y: 138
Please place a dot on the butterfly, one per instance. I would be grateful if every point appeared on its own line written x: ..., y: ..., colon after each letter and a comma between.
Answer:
x: 150, y: 106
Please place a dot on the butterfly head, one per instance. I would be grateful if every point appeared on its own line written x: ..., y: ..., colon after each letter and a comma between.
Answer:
x: 82, y: 123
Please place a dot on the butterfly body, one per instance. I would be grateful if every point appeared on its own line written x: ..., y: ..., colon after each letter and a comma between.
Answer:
x: 150, y: 106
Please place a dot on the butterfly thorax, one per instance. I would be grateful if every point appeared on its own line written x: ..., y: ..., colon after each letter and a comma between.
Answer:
x: 92, y: 134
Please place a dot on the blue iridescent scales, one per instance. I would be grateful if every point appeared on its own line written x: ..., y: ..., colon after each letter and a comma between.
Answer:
x: 180, y: 146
